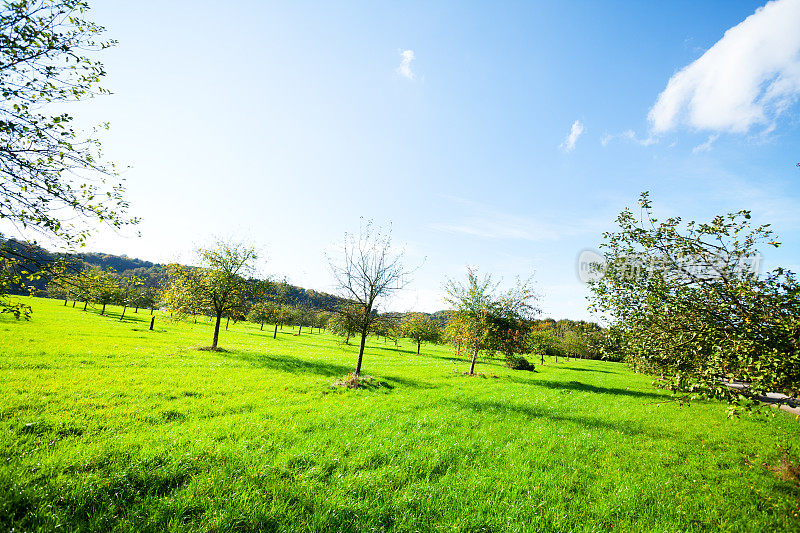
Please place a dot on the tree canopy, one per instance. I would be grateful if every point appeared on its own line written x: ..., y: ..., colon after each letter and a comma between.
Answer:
x: 688, y: 304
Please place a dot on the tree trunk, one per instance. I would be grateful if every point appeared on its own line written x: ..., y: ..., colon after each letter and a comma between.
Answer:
x: 361, y: 351
x: 73, y: 303
x: 65, y: 302
x: 123, y: 312
x: 85, y: 303
x: 542, y: 357
x: 103, y: 311
x: 275, y: 335
x: 151, y: 310
x: 262, y: 325
x: 152, y: 322
x: 216, y: 332
x: 472, y: 366
x: 418, y: 343
x: 300, y: 331
x: 347, y: 340
x: 136, y: 310
x: 227, y: 322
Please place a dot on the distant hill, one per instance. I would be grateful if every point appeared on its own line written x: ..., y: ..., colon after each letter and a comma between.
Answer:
x: 36, y: 259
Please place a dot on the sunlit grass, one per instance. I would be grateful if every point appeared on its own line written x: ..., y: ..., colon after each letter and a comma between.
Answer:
x: 105, y: 425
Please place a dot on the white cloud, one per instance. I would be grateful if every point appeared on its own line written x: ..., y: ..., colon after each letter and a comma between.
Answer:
x: 576, y: 131
x: 405, y: 65
x: 706, y: 146
x: 747, y: 78
x: 628, y: 135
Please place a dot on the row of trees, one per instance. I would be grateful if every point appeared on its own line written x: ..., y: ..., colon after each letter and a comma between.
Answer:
x: 102, y: 287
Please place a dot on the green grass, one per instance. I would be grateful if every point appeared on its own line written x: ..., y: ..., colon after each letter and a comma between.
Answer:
x: 107, y: 426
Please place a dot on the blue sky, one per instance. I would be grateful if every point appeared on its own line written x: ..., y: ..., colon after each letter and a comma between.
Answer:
x: 283, y: 123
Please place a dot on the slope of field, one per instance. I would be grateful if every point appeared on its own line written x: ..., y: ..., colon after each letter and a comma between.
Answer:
x: 105, y: 426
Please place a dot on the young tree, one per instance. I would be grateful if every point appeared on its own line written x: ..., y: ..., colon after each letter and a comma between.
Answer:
x: 486, y: 320
x: 263, y: 312
x: 281, y: 291
x: 345, y: 321
x: 688, y: 304
x: 321, y: 319
x: 419, y: 328
x: 105, y: 288
x: 146, y: 298
x: 129, y: 289
x: 367, y: 271
x: 220, y: 284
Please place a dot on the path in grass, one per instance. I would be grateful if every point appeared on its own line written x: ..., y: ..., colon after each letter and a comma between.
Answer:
x: 107, y: 426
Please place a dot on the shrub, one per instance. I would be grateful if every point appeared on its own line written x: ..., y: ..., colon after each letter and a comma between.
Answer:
x: 517, y: 362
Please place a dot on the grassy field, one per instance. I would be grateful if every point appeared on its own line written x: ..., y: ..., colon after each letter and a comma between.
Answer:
x: 107, y: 426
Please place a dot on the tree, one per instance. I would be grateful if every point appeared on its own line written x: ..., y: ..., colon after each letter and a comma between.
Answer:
x: 262, y: 312
x: 486, y: 320
x: 129, y: 289
x: 104, y: 288
x: 345, y: 321
x: 49, y: 172
x: 321, y: 319
x: 53, y: 180
x: 419, y: 328
x: 687, y: 303
x: 220, y: 284
x: 367, y: 271
x: 281, y: 292
x: 146, y: 298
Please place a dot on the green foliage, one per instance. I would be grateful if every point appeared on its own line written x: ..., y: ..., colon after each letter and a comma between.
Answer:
x: 220, y: 287
x: 346, y: 321
x: 106, y: 426
x: 688, y: 305
x: 485, y: 320
x: 517, y: 362
x: 52, y: 177
x: 420, y: 328
x: 262, y: 312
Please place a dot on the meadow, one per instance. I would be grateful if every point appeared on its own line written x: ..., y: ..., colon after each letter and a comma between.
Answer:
x: 106, y: 426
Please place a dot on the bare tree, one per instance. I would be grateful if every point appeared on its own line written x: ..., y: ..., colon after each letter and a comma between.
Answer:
x: 368, y: 270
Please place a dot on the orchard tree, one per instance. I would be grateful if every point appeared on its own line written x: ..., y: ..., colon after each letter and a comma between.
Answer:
x: 367, y: 271
x: 687, y: 303
x: 104, y: 288
x: 280, y: 295
x: 487, y: 320
x: 219, y: 284
x: 420, y: 328
x: 53, y: 179
x: 345, y: 321
x: 321, y: 319
x: 263, y: 312
x: 129, y: 289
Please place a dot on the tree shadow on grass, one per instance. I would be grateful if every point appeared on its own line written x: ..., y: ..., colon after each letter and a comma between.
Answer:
x: 585, y: 387
x: 625, y: 427
x: 293, y: 365
x: 410, y: 382
x: 587, y: 370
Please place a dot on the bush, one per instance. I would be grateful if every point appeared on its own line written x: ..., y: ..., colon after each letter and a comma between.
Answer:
x: 517, y: 362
